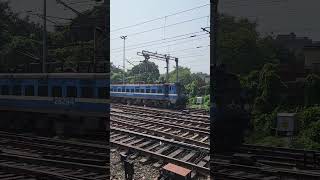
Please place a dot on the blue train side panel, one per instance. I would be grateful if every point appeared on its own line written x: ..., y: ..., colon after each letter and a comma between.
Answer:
x: 72, y: 94
x: 168, y: 95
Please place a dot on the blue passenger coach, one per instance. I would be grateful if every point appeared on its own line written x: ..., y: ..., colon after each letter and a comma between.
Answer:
x: 148, y: 94
x: 69, y: 94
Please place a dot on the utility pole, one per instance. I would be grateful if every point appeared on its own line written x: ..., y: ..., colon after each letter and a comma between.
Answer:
x: 124, y: 56
x: 162, y: 57
x: 167, y: 67
x: 44, y: 59
x: 177, y: 69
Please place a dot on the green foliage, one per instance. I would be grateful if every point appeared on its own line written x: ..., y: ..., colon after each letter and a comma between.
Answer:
x: 241, y: 47
x: 82, y: 51
x: 308, y: 138
x: 116, y: 74
x: 307, y: 116
x: 267, y: 89
x: 273, y: 141
x: 184, y: 76
x: 146, y: 71
x: 18, y: 37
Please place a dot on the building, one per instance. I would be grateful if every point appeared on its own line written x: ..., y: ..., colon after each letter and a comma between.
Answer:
x: 312, y: 58
x: 292, y: 42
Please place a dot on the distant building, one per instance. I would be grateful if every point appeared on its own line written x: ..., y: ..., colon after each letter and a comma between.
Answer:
x: 312, y: 58
x: 292, y: 42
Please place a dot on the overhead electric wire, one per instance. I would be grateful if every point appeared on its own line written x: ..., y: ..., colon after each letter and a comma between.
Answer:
x: 167, y: 42
x: 174, y: 24
x: 173, y: 14
x: 198, y: 47
x: 159, y: 40
x: 159, y: 47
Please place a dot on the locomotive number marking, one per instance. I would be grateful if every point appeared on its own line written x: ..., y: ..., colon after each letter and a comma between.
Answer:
x: 63, y: 101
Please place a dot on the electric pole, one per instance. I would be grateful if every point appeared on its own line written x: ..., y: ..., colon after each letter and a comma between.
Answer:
x: 124, y: 57
x: 162, y: 57
x: 44, y: 59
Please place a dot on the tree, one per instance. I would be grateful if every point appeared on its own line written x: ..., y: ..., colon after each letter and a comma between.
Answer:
x: 145, y: 71
x: 269, y: 88
x: 241, y: 48
x: 18, y: 37
x: 116, y: 74
x: 184, y: 76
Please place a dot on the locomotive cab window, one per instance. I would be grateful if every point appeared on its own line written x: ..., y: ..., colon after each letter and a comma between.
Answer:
x: 29, y: 91
x: 16, y: 90
x: 86, y: 92
x: 43, y: 91
x: 71, y: 91
x: 56, y: 91
x: 5, y: 90
x: 103, y: 92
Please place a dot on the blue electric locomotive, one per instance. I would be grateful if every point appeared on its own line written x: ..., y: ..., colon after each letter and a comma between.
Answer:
x: 79, y: 99
x: 167, y: 95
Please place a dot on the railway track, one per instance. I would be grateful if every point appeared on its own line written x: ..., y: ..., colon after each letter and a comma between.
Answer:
x: 171, y: 131
x: 162, y: 150
x: 162, y: 113
x: 52, y: 158
x: 266, y: 162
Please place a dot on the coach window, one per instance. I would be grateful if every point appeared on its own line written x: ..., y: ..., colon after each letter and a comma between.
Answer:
x: 127, y: 90
x: 119, y: 90
x: 147, y: 90
x: 16, y: 90
x: 71, y: 91
x: 29, y: 91
x: 86, y: 92
x: 142, y: 90
x: 153, y: 91
x: 103, y: 92
x: 56, y: 91
x: 5, y: 90
x: 159, y: 90
x: 43, y: 91
x: 132, y: 90
x: 123, y: 90
x: 137, y: 90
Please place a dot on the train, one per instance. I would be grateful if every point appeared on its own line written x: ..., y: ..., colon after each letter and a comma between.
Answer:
x: 169, y: 95
x: 55, y: 103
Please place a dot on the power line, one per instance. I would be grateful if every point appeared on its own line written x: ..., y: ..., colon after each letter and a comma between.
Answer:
x: 174, y: 24
x: 169, y: 41
x: 159, y: 47
x: 198, y: 47
x: 159, y: 18
x: 160, y: 40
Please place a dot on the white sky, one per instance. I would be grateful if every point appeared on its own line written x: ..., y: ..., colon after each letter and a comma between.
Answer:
x: 127, y: 12
x: 278, y: 16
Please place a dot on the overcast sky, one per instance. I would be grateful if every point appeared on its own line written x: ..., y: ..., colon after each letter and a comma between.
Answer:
x: 277, y: 16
